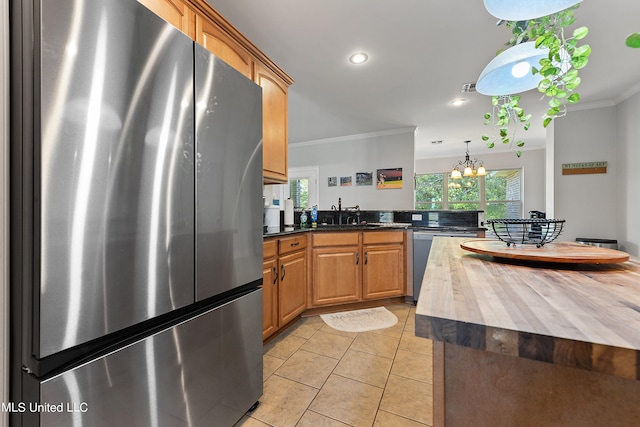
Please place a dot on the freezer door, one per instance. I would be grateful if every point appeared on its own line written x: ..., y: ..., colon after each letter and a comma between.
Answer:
x: 229, y: 177
x: 116, y: 174
x: 204, y: 372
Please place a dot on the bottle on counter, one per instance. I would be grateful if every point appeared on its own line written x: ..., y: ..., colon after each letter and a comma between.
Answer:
x: 303, y: 219
x: 314, y: 216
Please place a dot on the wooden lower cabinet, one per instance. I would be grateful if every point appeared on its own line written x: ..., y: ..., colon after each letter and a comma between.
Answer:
x: 292, y: 286
x: 321, y: 269
x: 336, y: 275
x: 346, y: 269
x: 269, y: 297
x: 383, y: 271
x: 284, y: 284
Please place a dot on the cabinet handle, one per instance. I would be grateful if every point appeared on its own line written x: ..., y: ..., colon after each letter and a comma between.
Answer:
x: 293, y: 245
x: 357, y: 258
x: 275, y: 275
x: 284, y: 272
x: 366, y: 257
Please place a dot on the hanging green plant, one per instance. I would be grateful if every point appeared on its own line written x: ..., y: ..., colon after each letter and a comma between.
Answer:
x: 559, y: 70
x: 633, y: 40
x: 506, y: 118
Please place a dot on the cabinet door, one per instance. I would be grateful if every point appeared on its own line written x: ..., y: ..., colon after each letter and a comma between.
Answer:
x: 270, y: 297
x: 292, y: 286
x: 175, y: 12
x: 383, y: 271
x: 336, y: 275
x: 274, y: 124
x: 217, y: 42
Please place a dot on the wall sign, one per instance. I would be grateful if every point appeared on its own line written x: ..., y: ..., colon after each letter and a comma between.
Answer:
x: 583, y: 168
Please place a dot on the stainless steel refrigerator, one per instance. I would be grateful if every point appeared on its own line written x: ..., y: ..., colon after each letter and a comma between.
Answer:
x: 136, y: 222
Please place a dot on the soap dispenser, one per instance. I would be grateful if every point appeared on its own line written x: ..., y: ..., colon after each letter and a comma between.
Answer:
x: 314, y: 217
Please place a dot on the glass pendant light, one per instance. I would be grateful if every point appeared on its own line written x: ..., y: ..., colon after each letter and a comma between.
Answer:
x: 510, y: 72
x: 523, y: 10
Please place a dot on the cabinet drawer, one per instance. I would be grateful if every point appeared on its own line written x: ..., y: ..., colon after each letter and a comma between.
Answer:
x: 269, y: 249
x: 335, y: 239
x: 388, y: 236
x: 292, y: 244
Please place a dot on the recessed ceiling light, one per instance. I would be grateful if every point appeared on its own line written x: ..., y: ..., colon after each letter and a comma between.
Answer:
x: 458, y: 101
x: 358, y: 58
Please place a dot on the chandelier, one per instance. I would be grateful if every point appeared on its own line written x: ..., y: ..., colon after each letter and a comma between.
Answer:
x: 468, y: 166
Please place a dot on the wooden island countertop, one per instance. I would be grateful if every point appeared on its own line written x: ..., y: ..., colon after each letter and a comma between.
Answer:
x: 539, y: 320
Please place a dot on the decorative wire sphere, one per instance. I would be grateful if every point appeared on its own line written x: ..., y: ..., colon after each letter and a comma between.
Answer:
x: 530, y: 231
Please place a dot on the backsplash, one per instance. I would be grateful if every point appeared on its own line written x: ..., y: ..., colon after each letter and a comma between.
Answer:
x: 435, y: 218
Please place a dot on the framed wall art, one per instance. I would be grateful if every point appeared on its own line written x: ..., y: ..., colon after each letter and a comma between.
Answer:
x: 389, y: 178
x: 345, y: 181
x: 364, y: 178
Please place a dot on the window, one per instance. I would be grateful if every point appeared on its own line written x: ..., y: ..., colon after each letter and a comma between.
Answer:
x: 503, y: 194
x: 303, y: 187
x: 499, y: 193
x: 429, y: 191
x: 463, y: 194
x: 299, y: 192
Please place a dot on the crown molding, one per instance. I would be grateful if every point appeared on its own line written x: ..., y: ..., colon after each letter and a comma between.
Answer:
x: 628, y: 94
x: 410, y: 129
x: 609, y: 102
x: 592, y: 105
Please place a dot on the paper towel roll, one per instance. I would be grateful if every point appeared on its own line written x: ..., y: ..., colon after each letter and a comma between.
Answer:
x: 288, y: 212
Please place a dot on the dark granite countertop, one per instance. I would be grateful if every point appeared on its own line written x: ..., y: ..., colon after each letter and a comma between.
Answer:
x: 370, y: 227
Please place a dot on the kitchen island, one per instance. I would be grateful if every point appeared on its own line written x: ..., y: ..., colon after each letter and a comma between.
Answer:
x: 520, y: 343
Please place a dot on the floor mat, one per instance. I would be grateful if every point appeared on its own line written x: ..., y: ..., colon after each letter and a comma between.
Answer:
x: 360, y: 320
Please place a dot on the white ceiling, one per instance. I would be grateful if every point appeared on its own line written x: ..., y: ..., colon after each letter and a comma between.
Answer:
x: 420, y: 54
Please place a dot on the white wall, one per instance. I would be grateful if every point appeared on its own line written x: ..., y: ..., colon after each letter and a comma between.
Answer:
x: 4, y: 204
x: 532, y: 163
x: 363, y: 153
x: 627, y: 207
x: 587, y: 202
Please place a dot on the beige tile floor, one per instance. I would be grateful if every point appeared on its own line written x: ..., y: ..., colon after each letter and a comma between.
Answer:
x: 316, y: 376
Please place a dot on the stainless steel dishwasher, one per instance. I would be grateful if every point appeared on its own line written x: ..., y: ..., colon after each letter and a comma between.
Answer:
x: 422, y: 241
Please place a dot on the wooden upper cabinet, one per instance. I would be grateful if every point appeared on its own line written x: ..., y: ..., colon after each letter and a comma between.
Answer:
x: 217, y: 42
x: 202, y: 23
x: 274, y: 124
x: 175, y: 12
